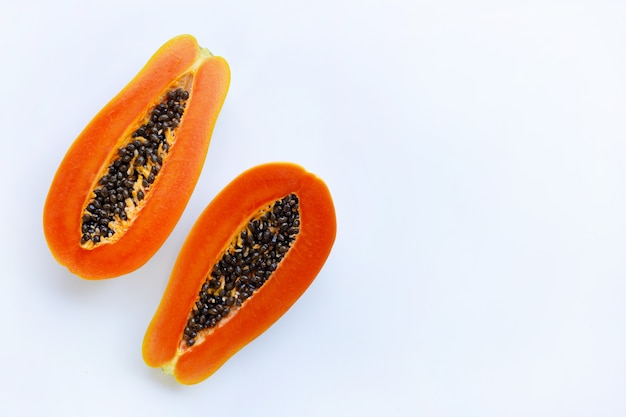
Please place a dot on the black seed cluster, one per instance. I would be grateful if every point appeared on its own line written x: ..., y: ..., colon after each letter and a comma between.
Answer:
x: 133, y: 170
x: 245, y: 266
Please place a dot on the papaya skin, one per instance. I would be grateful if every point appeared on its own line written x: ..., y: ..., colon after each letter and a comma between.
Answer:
x: 223, y: 219
x: 207, y: 77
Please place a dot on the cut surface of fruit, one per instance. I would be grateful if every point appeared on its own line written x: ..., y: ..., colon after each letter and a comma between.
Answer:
x: 251, y: 254
x: 127, y: 178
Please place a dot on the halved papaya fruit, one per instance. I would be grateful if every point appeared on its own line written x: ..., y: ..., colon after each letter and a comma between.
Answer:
x: 250, y: 255
x: 125, y: 181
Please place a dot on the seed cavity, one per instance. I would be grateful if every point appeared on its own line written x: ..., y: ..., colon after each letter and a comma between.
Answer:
x: 121, y: 191
x: 247, y: 263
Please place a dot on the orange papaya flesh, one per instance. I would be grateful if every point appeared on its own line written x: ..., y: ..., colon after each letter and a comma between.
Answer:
x: 126, y: 180
x: 250, y: 255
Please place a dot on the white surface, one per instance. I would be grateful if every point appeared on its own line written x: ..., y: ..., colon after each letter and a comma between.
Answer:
x: 475, y: 151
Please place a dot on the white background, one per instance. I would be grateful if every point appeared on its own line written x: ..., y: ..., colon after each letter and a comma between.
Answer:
x: 476, y: 154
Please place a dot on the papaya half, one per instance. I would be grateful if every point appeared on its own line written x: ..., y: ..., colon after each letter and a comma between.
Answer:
x: 250, y: 255
x: 126, y: 180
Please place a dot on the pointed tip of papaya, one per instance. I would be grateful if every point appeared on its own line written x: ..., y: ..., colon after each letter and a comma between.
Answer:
x: 205, y: 53
x: 168, y: 369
